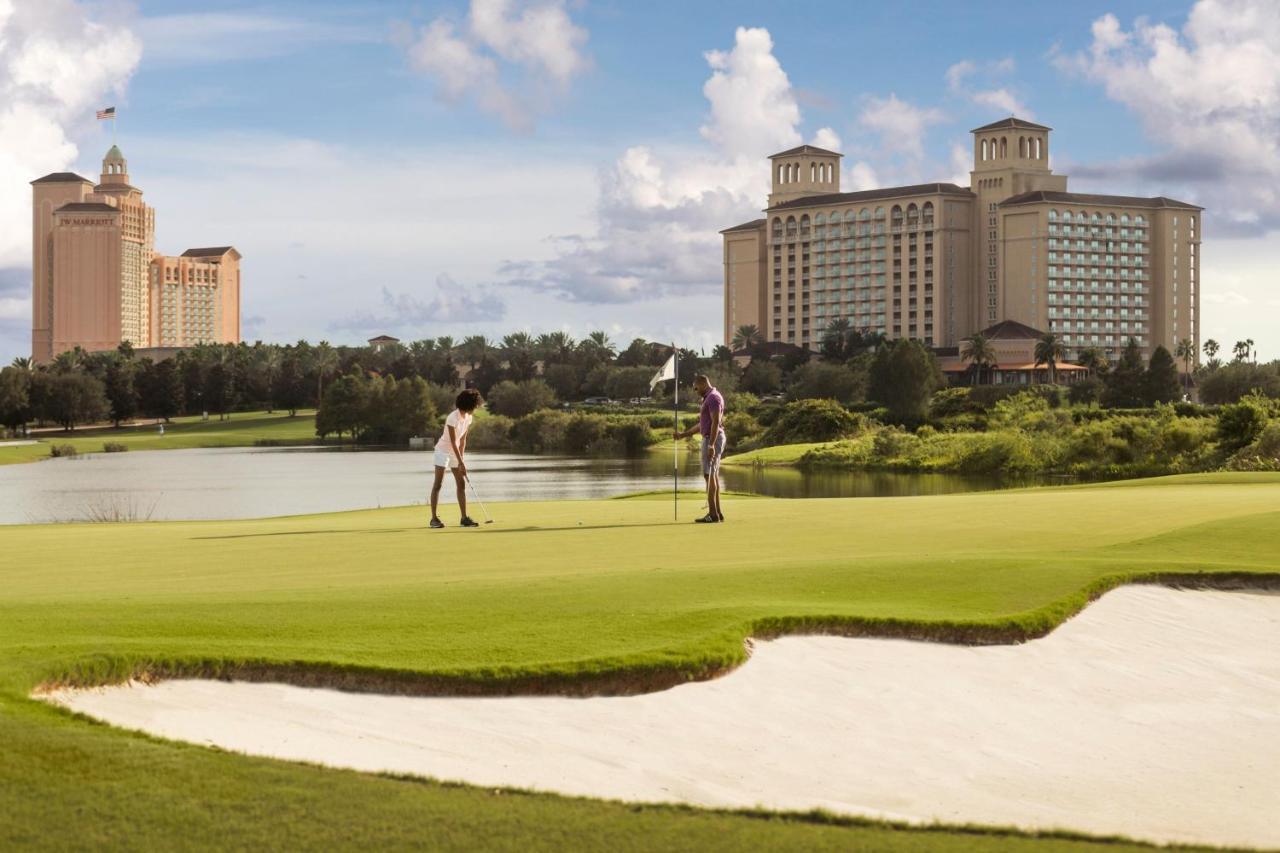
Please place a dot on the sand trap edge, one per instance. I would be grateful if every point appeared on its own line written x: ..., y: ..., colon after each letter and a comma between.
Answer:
x: 632, y: 680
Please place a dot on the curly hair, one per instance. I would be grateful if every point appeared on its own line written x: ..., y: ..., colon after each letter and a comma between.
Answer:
x: 468, y: 400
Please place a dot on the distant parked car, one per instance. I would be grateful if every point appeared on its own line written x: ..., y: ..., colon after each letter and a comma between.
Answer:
x: 596, y: 401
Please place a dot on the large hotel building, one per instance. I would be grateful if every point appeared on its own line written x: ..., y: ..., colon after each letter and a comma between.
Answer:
x: 97, y: 280
x: 939, y: 262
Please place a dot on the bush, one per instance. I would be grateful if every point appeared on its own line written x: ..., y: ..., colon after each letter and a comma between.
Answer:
x: 61, y: 450
x: 1262, y: 455
x: 490, y: 432
x: 442, y: 397
x: 819, y: 380
x: 813, y: 420
x: 740, y: 428
x: 761, y: 377
x: 584, y: 430
x: 904, y: 375
x: 1085, y: 392
x: 540, y: 432
x: 950, y: 402
x: 114, y: 447
x: 1240, y: 423
x: 517, y: 399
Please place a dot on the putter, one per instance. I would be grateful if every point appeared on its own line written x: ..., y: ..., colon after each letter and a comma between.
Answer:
x: 487, y: 519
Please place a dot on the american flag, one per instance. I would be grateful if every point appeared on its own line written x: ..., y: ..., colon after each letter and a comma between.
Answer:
x: 109, y: 112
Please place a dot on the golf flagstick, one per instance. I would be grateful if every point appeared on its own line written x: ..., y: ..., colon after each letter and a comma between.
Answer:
x: 675, y: 442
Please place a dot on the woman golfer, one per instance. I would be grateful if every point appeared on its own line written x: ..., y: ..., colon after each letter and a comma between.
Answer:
x: 451, y: 452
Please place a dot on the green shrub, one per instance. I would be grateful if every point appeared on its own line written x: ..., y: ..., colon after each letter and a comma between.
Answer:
x: 517, y: 399
x: 631, y: 436
x: 114, y: 447
x: 443, y: 397
x: 540, y: 432
x: 1240, y: 423
x: 820, y: 380
x: 813, y: 420
x: 582, y: 431
x: 950, y: 402
x: 741, y: 428
x: 490, y: 432
x: 1262, y: 455
x: 60, y: 450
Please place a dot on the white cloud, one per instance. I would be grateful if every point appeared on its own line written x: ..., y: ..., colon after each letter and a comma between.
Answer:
x: 57, y: 65
x: 901, y: 125
x: 452, y: 304
x: 15, y: 308
x: 659, y: 212
x: 827, y: 138
x: 999, y: 98
x: 539, y: 43
x: 1208, y: 97
x: 194, y: 38
x: 753, y: 108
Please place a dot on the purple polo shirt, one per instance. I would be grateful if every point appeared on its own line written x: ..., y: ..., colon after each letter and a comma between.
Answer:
x: 711, y: 404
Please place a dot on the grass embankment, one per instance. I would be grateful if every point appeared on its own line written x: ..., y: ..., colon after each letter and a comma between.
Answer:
x: 242, y: 429
x: 535, y: 602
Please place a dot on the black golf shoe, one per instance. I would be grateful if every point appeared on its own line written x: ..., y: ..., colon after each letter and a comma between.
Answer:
x: 468, y: 521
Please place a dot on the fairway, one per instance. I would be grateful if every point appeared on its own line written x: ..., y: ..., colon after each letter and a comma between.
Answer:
x: 623, y: 602
x: 242, y: 429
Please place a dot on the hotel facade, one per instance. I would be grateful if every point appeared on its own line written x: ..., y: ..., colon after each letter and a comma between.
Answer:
x: 97, y: 280
x: 939, y: 262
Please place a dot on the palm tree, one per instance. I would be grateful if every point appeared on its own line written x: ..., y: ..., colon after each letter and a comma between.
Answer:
x: 1252, y: 350
x: 1049, y: 351
x: 556, y: 347
x: 23, y: 363
x: 1211, y: 348
x: 474, y: 349
x: 978, y: 351
x: 1185, y: 350
x: 1241, y: 350
x: 746, y: 337
x: 1094, y: 359
x: 324, y: 360
x: 602, y: 344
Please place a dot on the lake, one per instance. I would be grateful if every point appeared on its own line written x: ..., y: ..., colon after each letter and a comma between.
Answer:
x: 247, y: 482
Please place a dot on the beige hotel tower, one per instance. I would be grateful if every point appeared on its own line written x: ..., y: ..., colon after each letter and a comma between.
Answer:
x: 97, y: 280
x: 938, y: 262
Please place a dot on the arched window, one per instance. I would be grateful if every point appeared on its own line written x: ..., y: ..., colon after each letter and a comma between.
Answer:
x: 879, y: 214
x: 1111, y: 219
x: 1139, y: 220
x: 1022, y: 147
x: 927, y: 211
x: 1004, y: 147
x: 1124, y: 219
x: 1081, y: 216
x: 813, y: 173
x: 804, y: 222
x: 777, y: 227
x: 984, y: 149
x: 831, y: 172
x: 1037, y: 144
x: 864, y: 214
x: 913, y: 212
x: 780, y: 178
x: 820, y: 219
x: 1053, y: 216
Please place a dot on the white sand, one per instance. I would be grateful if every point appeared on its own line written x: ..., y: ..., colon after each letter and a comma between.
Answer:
x: 1155, y: 714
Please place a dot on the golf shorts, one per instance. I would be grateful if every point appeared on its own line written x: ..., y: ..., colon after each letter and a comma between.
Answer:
x: 445, y: 460
x: 707, y: 444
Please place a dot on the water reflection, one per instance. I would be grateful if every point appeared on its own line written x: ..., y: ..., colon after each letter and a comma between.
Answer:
x: 253, y: 482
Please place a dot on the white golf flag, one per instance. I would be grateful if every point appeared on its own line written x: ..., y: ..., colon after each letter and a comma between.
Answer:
x: 667, y: 371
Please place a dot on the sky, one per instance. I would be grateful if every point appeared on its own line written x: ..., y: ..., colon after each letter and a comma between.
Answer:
x: 485, y: 166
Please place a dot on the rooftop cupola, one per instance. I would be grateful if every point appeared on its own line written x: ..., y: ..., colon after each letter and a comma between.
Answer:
x: 115, y: 169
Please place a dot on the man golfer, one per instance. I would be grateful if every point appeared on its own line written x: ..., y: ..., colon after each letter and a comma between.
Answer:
x: 711, y: 426
x: 451, y: 452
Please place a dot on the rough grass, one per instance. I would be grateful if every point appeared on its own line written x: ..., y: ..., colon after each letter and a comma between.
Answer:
x: 374, y: 600
x: 243, y: 429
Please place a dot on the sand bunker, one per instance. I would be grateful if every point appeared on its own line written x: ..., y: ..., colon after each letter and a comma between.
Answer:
x: 1155, y: 714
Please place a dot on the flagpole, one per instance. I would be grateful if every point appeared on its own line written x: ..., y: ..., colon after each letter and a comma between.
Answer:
x: 675, y: 442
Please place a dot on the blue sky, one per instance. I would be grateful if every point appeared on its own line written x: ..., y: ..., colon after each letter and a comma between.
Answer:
x: 479, y: 166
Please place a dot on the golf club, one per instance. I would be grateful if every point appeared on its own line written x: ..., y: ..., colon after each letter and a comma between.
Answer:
x: 487, y: 519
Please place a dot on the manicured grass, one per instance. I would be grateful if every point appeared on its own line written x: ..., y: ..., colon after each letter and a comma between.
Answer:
x: 625, y: 601
x: 242, y: 429
x: 779, y: 454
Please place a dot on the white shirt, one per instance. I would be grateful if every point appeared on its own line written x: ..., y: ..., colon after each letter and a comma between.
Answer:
x: 461, y: 422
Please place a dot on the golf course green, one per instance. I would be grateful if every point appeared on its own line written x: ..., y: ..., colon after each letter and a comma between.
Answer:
x: 570, y: 596
x: 243, y: 429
